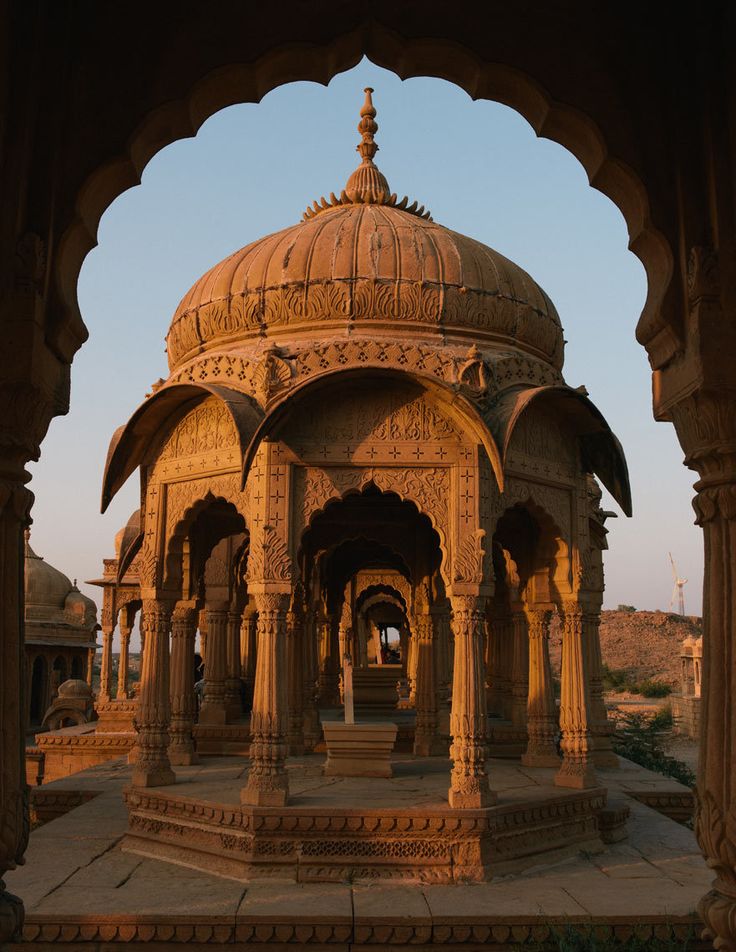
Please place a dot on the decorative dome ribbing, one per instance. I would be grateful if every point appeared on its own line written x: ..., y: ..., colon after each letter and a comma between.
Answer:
x: 365, y: 262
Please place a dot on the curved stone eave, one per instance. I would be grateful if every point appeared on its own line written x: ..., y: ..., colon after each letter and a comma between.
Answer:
x: 278, y: 410
x: 602, y: 453
x: 129, y: 544
x: 132, y: 442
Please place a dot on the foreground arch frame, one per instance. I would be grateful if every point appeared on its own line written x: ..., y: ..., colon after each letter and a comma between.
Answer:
x: 674, y: 191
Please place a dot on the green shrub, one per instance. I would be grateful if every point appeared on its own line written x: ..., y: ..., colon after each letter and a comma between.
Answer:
x: 626, y: 608
x: 638, y: 738
x: 582, y: 938
x: 650, y: 688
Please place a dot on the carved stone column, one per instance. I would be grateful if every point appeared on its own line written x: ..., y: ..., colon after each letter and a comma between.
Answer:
x: 411, y: 663
x: 152, y: 767
x: 123, y: 661
x: 601, y: 728
x: 706, y: 427
x: 469, y: 782
x: 268, y: 783
x: 91, y: 652
x: 232, y: 681
x: 105, y: 692
x: 576, y: 769
x: 329, y: 678
x: 183, y: 701
x: 310, y: 721
x: 426, y: 735
x: 441, y: 625
x: 541, y: 750
x: 294, y: 651
x: 214, y: 707
x: 248, y: 649
x: 519, y: 670
x: 15, y: 503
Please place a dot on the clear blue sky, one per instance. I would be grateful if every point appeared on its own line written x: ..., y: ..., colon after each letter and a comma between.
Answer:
x: 251, y: 170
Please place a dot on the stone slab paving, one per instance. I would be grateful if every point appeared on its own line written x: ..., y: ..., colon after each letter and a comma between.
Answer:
x: 76, y: 869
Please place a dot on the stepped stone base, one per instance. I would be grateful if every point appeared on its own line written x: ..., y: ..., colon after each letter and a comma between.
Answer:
x: 336, y: 844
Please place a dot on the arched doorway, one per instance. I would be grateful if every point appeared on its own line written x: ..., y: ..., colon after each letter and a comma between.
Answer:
x: 556, y: 98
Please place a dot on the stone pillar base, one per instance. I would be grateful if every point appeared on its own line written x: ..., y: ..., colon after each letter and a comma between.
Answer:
x: 582, y: 779
x: 471, y: 801
x: 156, y: 777
x: 260, y: 796
x: 209, y: 714
x: 430, y: 747
x: 183, y: 758
x: 532, y: 759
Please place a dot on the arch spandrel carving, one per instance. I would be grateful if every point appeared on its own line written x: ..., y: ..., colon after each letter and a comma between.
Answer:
x: 208, y: 428
x: 183, y: 497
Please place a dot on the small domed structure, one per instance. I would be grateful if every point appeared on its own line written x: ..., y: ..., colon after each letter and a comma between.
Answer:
x: 368, y: 401
x: 60, y: 632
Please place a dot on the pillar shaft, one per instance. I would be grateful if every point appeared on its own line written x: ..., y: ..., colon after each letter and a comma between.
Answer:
x: 91, y: 652
x: 601, y: 728
x: 152, y: 767
x: 183, y: 701
x: 15, y: 502
x: 576, y: 718
x: 519, y: 670
x: 329, y: 678
x: 469, y: 781
x: 426, y: 734
x: 248, y: 650
x: 541, y: 750
x: 106, y: 663
x: 310, y: 663
x: 268, y: 783
x: 123, y: 661
x: 214, y: 705
x: 232, y: 681
x: 715, y: 818
x: 294, y: 647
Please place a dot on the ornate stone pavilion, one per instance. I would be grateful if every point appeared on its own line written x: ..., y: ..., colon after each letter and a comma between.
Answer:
x: 367, y: 410
x: 61, y: 634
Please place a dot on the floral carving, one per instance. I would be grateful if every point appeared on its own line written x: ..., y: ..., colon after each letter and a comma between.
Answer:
x: 208, y: 427
x: 468, y: 561
x: 269, y: 558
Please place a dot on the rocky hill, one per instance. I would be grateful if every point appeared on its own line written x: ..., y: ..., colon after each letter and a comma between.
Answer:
x: 645, y: 644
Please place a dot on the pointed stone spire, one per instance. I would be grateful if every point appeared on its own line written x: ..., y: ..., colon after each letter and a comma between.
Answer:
x: 367, y: 183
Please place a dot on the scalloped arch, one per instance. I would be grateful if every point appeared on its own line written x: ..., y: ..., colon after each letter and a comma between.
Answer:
x: 229, y: 83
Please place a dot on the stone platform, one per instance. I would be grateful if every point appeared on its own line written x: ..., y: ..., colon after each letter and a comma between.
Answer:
x: 83, y: 891
x: 367, y: 828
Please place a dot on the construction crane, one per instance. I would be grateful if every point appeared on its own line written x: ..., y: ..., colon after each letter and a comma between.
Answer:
x: 678, y: 591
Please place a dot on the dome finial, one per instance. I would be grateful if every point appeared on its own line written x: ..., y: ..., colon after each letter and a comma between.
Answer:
x: 367, y: 127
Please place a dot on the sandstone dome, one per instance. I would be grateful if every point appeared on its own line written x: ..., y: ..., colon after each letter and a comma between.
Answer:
x: 45, y: 586
x: 74, y: 687
x: 366, y: 261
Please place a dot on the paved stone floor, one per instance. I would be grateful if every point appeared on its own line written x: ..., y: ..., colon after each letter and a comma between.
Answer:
x: 76, y: 870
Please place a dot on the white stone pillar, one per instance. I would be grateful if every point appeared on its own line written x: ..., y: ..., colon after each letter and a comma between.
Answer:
x: 469, y: 782
x: 268, y: 783
x: 152, y: 767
